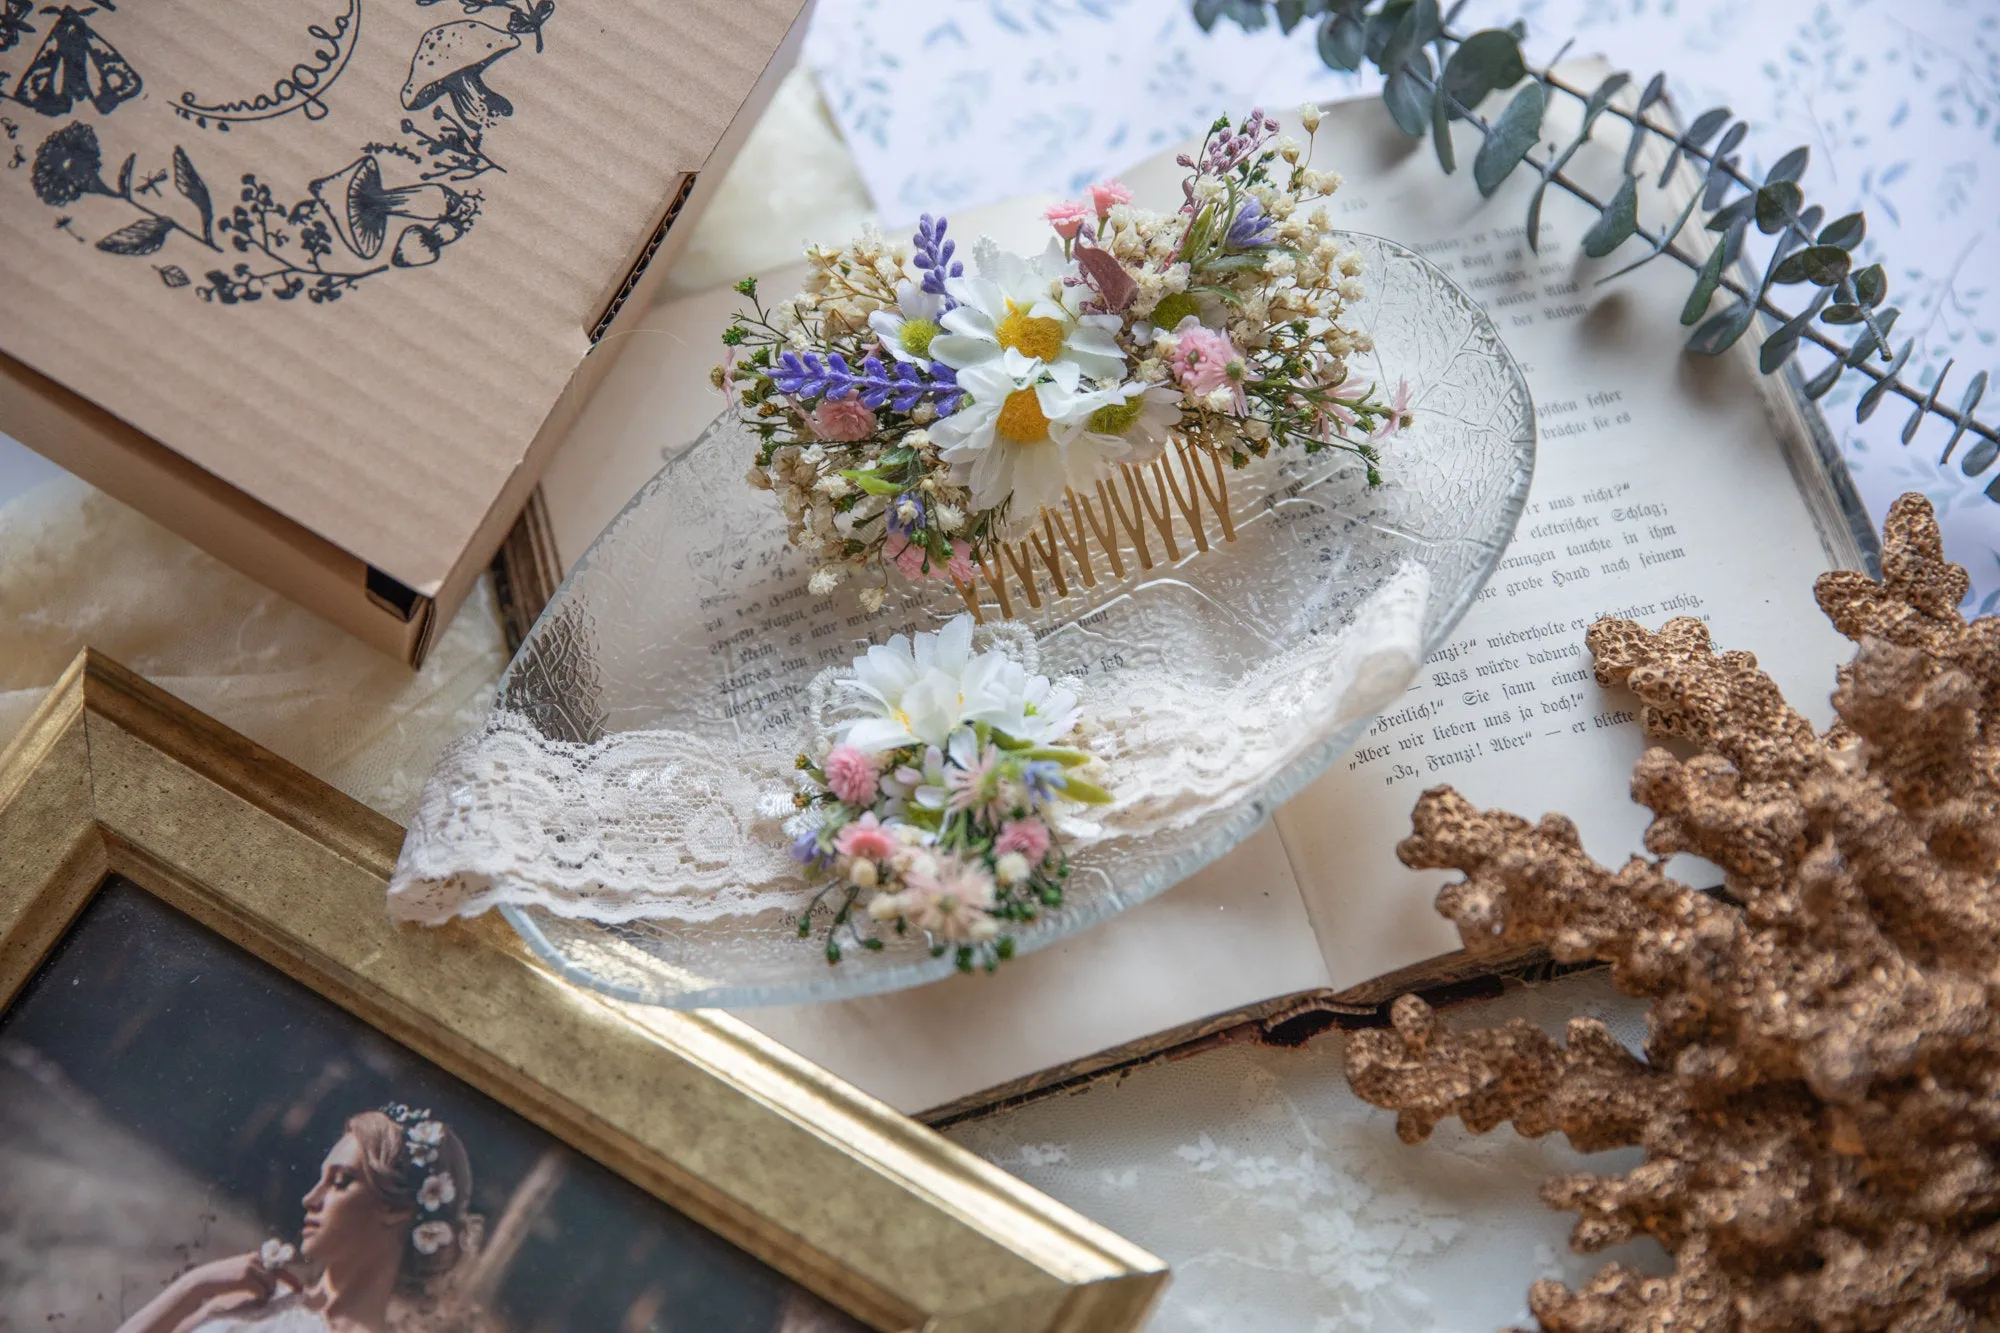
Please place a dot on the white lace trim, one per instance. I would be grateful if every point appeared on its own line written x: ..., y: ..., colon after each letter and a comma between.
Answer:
x: 664, y: 825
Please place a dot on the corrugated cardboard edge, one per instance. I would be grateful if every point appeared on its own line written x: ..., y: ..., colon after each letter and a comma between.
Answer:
x: 132, y: 467
x: 527, y: 567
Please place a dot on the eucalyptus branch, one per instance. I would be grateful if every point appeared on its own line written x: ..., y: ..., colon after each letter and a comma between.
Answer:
x: 1424, y: 95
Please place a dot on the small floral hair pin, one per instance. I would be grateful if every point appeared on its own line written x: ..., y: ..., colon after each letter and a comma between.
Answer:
x: 936, y: 794
x: 990, y: 423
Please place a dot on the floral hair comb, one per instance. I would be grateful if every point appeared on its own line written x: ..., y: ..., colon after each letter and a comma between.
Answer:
x: 1061, y: 414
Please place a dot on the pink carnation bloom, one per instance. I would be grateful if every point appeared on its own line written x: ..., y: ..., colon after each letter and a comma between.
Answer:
x: 843, y: 419
x: 852, y: 774
x: 1205, y: 360
x: 1029, y: 837
x: 866, y: 839
x: 1104, y: 194
x: 910, y: 559
x: 1068, y: 218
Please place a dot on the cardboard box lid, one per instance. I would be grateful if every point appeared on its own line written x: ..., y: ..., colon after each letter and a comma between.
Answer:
x: 345, y: 255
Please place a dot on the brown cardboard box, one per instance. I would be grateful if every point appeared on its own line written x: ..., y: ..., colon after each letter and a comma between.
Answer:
x: 316, y: 283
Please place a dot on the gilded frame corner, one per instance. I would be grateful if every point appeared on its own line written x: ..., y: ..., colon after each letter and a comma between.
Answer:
x: 869, y: 1210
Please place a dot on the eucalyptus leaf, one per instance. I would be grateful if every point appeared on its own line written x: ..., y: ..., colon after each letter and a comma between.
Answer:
x: 1777, y: 350
x: 1821, y: 265
x: 1978, y: 458
x: 1339, y: 42
x: 1654, y: 90
x: 1704, y: 128
x: 1790, y: 167
x: 1290, y: 14
x: 1776, y: 205
x: 1441, y: 131
x: 1535, y: 214
x: 1409, y: 105
x: 1659, y: 247
x: 1974, y: 391
x: 1705, y: 283
x: 1872, y: 398
x: 1601, y: 96
x: 1616, y: 223
x: 1866, y: 345
x: 1829, y: 375
x: 1719, y: 332
x: 1825, y: 265
x: 1731, y: 213
x: 1923, y: 409
x: 1483, y: 64
x: 1845, y: 232
x: 1514, y: 132
x: 1731, y: 140
x: 1843, y: 312
x: 1871, y: 284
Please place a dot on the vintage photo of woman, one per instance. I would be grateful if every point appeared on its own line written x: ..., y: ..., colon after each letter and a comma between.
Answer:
x: 191, y: 1142
x: 385, y: 1235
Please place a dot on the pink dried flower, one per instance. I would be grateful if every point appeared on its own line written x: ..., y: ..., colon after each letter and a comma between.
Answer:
x: 1068, y: 218
x: 1398, y: 415
x: 1029, y: 837
x: 843, y: 419
x: 1205, y: 360
x: 1105, y: 194
x: 950, y: 899
x: 851, y: 773
x: 910, y: 559
x: 866, y: 839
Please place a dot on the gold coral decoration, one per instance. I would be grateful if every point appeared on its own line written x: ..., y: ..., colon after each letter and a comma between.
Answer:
x: 1818, y: 1100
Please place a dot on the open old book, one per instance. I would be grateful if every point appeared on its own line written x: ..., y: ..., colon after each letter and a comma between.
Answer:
x: 1665, y: 485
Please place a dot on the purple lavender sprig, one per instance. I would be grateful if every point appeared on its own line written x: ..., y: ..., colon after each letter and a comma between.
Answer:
x: 901, y: 385
x: 934, y: 257
x: 1252, y: 228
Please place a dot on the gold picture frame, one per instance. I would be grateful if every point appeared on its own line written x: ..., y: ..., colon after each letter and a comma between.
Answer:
x: 864, y: 1208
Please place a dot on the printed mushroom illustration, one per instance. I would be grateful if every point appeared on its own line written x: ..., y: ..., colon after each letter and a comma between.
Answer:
x: 358, y: 206
x: 450, y: 59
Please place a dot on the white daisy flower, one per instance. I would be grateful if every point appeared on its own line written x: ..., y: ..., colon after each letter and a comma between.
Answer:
x: 908, y: 330
x: 1020, y: 433
x: 275, y: 1254
x: 1143, y: 420
x: 437, y: 1191
x: 1016, y: 305
x: 427, y: 1132
x: 430, y: 1237
x: 920, y: 689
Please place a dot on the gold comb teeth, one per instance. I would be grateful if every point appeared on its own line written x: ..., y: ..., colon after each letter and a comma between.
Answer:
x: 1158, y: 496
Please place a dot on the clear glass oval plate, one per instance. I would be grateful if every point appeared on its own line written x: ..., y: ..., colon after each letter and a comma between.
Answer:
x: 690, y: 612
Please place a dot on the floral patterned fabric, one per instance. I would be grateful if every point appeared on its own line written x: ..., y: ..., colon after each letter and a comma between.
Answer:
x: 951, y: 105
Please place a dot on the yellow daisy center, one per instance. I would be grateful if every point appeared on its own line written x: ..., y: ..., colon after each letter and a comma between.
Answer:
x: 1021, y: 420
x: 916, y: 335
x: 1029, y: 335
x: 1117, y: 418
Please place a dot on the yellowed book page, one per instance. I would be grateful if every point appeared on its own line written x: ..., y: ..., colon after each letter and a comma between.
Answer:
x: 1662, y: 488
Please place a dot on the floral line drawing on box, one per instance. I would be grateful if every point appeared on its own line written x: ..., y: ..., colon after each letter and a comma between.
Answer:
x: 300, y: 89
x: 73, y: 64
x: 338, y: 233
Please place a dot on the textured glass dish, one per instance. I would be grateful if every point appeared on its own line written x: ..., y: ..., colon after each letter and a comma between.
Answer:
x: 636, y: 638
